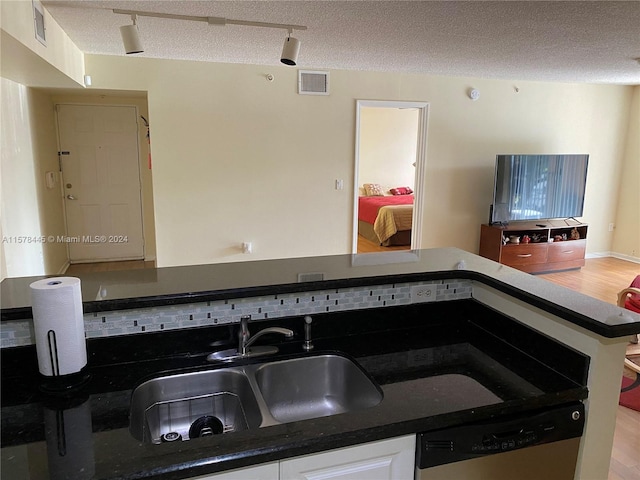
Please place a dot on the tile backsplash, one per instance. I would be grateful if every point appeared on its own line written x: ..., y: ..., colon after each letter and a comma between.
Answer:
x: 140, y: 320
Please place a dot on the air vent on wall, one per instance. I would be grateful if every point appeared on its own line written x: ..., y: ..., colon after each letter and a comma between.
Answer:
x: 38, y: 20
x: 311, y: 82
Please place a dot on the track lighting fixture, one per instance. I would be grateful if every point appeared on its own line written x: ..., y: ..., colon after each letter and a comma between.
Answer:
x: 130, y: 38
x: 132, y: 42
x: 290, y: 50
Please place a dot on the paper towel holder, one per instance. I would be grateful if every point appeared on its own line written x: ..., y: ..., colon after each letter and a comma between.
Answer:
x: 60, y: 338
x: 61, y: 384
x: 64, y: 384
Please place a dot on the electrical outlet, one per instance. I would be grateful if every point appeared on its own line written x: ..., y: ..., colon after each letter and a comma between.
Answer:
x: 423, y: 293
x: 611, y: 227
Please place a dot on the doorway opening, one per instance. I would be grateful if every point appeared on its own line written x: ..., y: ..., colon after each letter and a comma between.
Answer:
x: 101, y: 182
x: 389, y: 170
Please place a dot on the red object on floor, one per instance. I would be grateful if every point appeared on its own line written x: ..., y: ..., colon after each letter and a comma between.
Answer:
x: 633, y: 301
x: 630, y: 393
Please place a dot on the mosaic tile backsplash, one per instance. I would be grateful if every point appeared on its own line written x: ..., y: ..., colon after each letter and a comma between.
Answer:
x: 138, y: 321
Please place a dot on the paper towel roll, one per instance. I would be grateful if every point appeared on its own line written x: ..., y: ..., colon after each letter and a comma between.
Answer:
x: 58, y: 325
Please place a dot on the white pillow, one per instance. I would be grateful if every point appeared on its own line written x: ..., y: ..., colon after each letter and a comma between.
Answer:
x: 373, y: 190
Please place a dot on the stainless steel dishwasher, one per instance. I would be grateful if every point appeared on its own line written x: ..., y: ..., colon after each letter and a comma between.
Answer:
x: 535, y: 445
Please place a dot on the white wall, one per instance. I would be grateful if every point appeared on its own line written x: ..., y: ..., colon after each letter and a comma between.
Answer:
x: 388, y: 143
x: 626, y: 236
x: 29, y: 208
x: 31, y: 212
x: 238, y: 158
x: 27, y: 61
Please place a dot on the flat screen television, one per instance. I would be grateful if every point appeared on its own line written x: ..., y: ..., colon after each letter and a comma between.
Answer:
x: 533, y: 187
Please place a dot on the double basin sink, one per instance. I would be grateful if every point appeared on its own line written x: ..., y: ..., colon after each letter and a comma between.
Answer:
x: 188, y: 405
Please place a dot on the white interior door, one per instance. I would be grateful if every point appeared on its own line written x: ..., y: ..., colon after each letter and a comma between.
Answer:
x: 101, y: 180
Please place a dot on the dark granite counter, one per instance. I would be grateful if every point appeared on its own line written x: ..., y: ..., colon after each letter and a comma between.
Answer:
x: 179, y: 285
x: 438, y: 365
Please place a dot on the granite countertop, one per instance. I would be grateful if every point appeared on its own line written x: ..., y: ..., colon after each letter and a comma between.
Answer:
x: 438, y: 365
x: 175, y: 285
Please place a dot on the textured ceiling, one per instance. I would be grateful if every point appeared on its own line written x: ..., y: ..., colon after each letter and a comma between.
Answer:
x: 561, y: 41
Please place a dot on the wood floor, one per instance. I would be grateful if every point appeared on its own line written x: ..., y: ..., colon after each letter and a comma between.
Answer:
x: 367, y: 246
x: 603, y: 278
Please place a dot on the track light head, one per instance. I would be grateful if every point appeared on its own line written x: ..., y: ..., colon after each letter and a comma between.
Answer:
x: 290, y: 50
x: 130, y: 38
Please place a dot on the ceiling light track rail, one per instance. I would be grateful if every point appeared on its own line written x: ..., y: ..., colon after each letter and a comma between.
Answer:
x: 133, y: 45
x: 221, y: 21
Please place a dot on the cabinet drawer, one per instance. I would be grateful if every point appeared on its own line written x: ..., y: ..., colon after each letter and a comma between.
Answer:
x: 524, y: 254
x: 563, y: 251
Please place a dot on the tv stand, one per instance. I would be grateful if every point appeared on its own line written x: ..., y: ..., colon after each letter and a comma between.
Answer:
x: 558, y: 245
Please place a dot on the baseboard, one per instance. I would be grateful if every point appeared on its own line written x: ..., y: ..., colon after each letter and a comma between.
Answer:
x: 598, y: 255
x: 628, y: 258
x: 64, y: 268
x: 107, y: 260
x: 620, y: 256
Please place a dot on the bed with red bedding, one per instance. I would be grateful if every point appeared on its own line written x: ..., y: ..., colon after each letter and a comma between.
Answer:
x: 386, y: 220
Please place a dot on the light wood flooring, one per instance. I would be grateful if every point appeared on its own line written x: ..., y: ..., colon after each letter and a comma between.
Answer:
x: 603, y: 278
x: 367, y: 246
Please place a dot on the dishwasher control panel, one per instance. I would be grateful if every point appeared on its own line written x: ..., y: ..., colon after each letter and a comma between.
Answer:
x: 500, y: 434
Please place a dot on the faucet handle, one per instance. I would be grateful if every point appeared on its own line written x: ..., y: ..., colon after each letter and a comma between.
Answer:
x: 307, y: 345
x: 243, y: 333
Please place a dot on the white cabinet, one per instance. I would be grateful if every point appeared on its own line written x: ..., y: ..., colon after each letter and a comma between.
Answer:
x: 392, y: 459
x: 266, y: 471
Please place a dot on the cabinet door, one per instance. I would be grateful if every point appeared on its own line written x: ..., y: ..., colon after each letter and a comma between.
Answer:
x: 266, y: 471
x: 567, y: 251
x: 530, y: 254
x: 392, y: 459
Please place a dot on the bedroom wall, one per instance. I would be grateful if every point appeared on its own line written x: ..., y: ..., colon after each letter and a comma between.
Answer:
x: 388, y: 142
x: 238, y: 158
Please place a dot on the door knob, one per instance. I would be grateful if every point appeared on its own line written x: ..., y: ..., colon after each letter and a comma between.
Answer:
x: 71, y: 197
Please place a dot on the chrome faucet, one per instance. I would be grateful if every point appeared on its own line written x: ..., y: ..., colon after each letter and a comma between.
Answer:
x: 245, y: 340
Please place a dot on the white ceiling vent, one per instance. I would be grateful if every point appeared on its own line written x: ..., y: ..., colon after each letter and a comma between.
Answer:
x: 313, y: 82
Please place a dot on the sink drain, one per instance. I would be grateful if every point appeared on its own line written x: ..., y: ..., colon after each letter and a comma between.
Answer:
x: 206, y: 426
x: 171, y: 437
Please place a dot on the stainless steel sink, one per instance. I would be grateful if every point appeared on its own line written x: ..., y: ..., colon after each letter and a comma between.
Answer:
x: 311, y: 387
x: 188, y: 405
